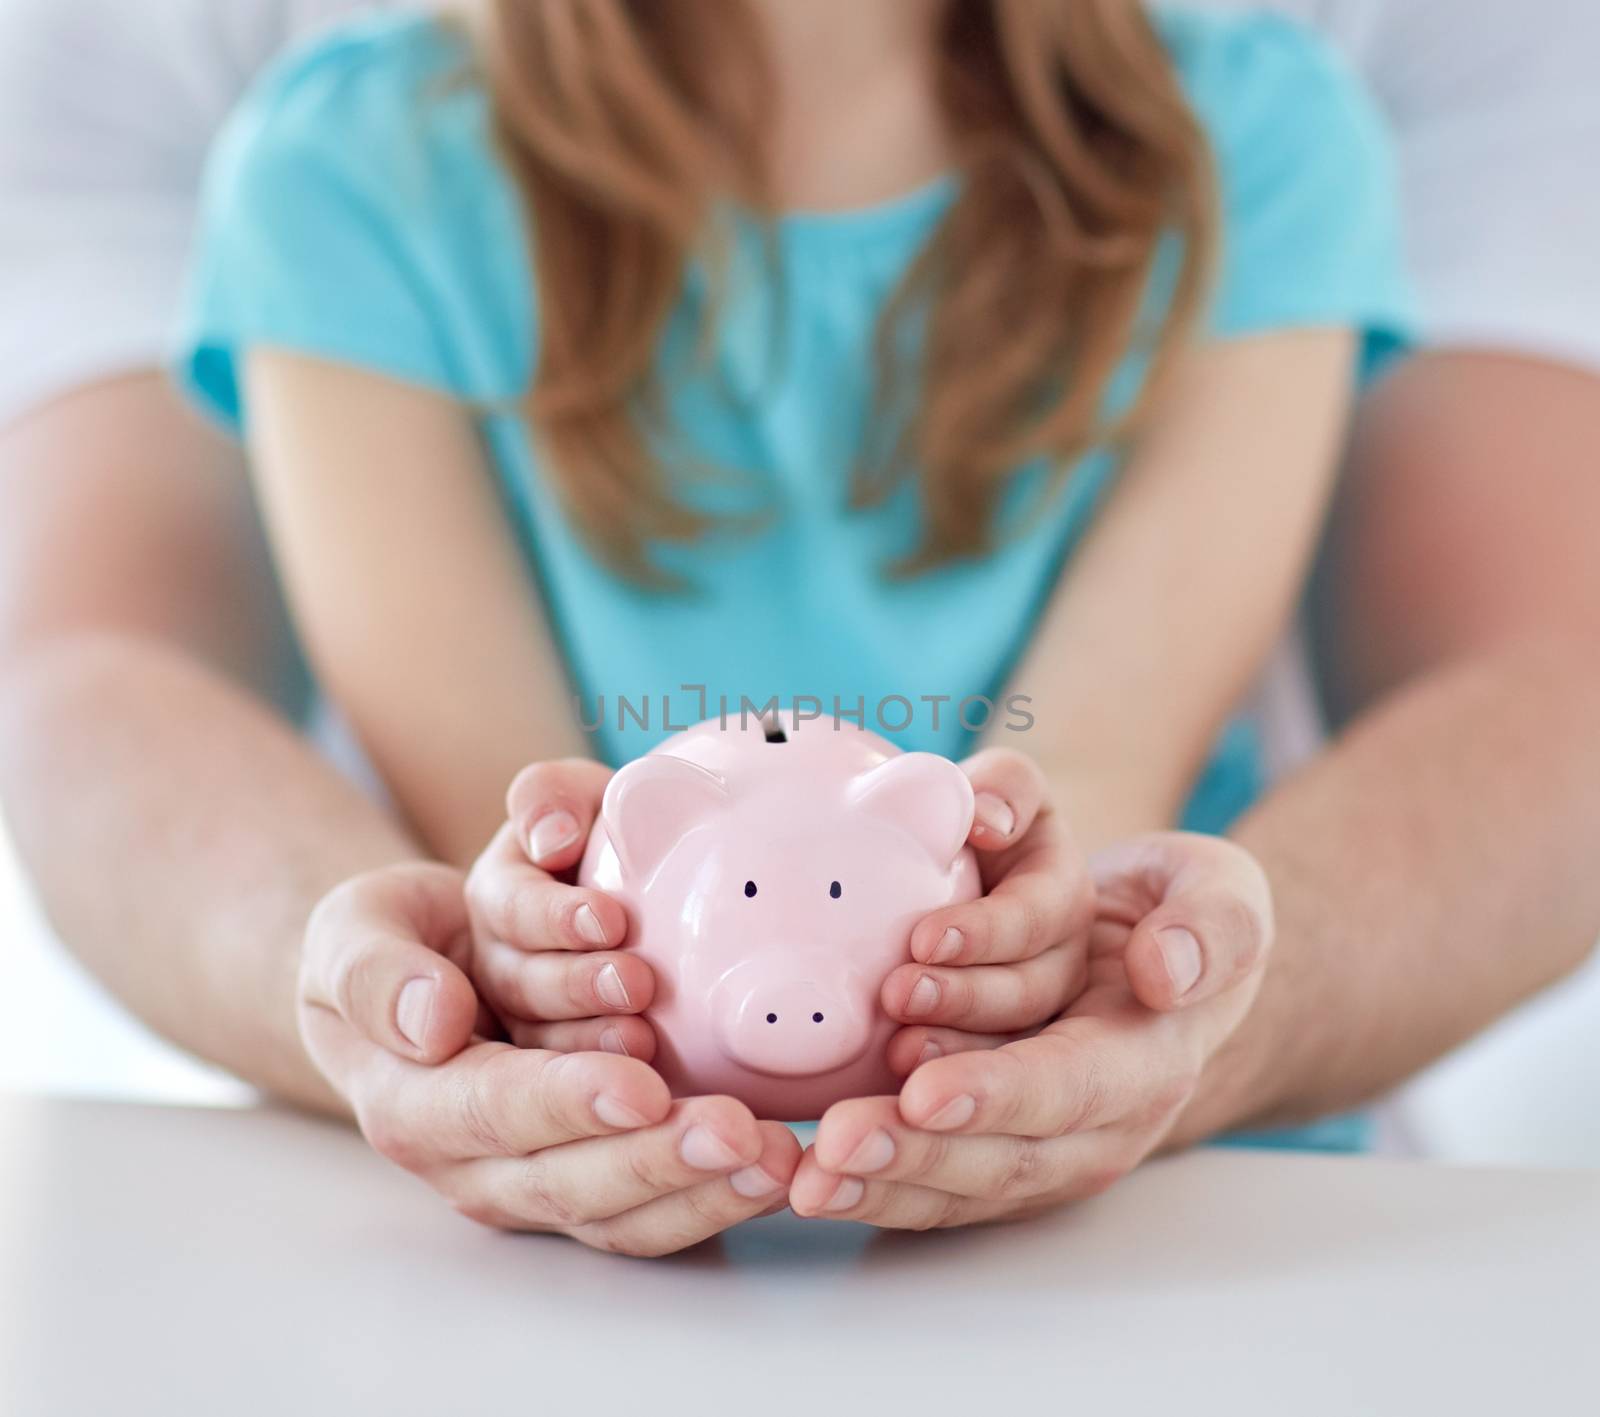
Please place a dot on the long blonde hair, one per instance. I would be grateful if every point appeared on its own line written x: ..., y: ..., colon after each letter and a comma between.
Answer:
x: 625, y: 121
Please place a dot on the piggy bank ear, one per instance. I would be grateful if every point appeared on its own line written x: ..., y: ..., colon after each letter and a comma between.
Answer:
x: 652, y: 802
x: 923, y: 794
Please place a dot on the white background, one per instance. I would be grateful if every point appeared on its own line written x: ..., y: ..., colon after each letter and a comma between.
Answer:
x: 1528, y: 1094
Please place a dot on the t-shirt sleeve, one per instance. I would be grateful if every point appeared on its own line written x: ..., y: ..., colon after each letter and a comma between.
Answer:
x: 318, y: 227
x: 1502, y: 189
x: 105, y: 114
x: 1311, y: 231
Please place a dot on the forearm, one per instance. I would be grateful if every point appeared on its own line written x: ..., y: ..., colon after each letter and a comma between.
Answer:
x: 1433, y: 869
x: 178, y: 836
x: 453, y: 679
x: 1181, y: 587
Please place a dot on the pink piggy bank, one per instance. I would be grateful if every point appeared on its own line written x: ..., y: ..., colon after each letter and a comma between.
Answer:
x: 772, y: 880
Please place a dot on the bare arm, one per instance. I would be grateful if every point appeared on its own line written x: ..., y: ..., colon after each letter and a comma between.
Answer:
x: 1431, y: 870
x: 1437, y: 866
x: 1185, y: 580
x: 181, y: 837
x: 411, y: 596
x: 177, y: 831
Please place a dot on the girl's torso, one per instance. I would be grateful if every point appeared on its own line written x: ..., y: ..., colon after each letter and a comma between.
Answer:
x: 357, y: 211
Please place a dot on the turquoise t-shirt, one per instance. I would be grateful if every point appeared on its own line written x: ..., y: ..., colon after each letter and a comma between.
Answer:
x: 355, y: 210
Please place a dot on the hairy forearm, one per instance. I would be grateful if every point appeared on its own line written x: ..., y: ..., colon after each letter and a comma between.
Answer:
x: 1433, y: 869
x: 178, y: 836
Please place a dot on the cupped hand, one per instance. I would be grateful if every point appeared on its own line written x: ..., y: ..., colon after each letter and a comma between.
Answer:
x: 1015, y: 957
x: 545, y: 954
x: 1182, y: 930
x: 588, y: 1144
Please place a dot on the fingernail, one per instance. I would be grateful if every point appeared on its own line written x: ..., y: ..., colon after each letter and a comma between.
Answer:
x: 994, y: 813
x: 703, y: 1149
x: 551, y: 833
x: 588, y: 925
x: 1180, y: 953
x: 412, y: 1008
x: 948, y: 948
x: 753, y: 1183
x: 612, y: 991
x: 611, y: 1041
x: 957, y: 1112
x: 924, y: 997
x: 848, y: 1194
x: 930, y: 1051
x: 875, y: 1152
x: 616, y: 1113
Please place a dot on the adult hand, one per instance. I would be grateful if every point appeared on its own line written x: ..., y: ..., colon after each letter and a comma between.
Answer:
x: 1179, y: 944
x: 1014, y: 958
x: 545, y: 954
x: 589, y: 1144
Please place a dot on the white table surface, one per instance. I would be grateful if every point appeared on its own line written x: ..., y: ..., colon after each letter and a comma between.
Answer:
x: 172, y: 1261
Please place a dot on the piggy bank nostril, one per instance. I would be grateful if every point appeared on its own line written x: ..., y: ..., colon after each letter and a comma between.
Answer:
x: 787, y: 1027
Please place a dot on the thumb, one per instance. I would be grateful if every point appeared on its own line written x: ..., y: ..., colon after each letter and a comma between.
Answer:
x: 377, y: 954
x: 1200, y: 909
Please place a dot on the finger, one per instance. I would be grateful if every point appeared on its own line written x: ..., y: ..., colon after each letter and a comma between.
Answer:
x: 375, y: 952
x: 499, y: 1101
x: 1008, y: 790
x: 991, y: 998
x: 1073, y: 1077
x: 866, y: 1137
x: 522, y: 905
x: 897, y: 1205
x: 911, y: 1047
x: 695, y: 1214
x: 894, y: 1205
x: 551, y: 807
x: 1044, y: 899
x: 583, y: 1182
x: 554, y: 985
x: 1201, y: 913
x: 625, y: 1035
x: 979, y: 1179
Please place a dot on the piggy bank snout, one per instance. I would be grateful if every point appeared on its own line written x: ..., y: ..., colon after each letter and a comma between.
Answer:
x: 790, y: 1027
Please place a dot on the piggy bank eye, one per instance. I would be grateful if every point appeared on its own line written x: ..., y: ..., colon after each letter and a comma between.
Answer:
x: 749, y: 887
x: 835, y: 890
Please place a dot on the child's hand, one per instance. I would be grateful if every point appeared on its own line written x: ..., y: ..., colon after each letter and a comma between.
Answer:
x: 1017, y: 956
x: 989, y: 1135
x: 545, y: 956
